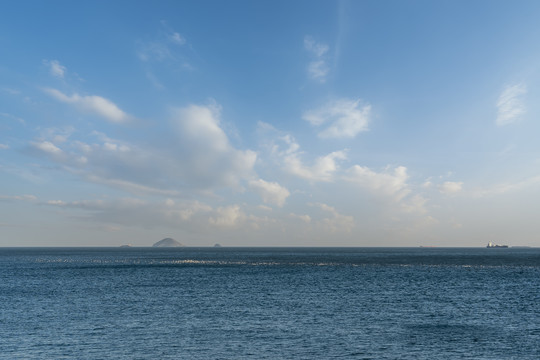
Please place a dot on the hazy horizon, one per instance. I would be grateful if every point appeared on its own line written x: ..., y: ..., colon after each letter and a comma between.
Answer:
x: 270, y: 123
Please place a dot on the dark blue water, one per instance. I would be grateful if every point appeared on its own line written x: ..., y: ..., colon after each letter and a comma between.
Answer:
x: 250, y: 303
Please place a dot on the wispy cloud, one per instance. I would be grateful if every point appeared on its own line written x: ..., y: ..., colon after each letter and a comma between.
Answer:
x: 170, y: 34
x: 55, y: 68
x: 510, y: 104
x: 11, y: 91
x: 335, y: 222
x: 316, y: 48
x: 12, y: 117
x: 167, y: 48
x: 92, y: 103
x: 134, y: 186
x: 154, y: 80
x: 343, y: 118
x: 317, y: 68
x: 26, y: 197
x: 154, y: 51
x: 138, y: 212
x: 163, y: 47
x: 177, y: 38
x: 504, y: 188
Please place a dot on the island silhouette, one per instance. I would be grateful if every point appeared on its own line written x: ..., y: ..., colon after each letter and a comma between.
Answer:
x: 168, y: 242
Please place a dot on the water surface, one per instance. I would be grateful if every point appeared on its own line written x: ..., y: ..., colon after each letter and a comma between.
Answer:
x: 269, y: 303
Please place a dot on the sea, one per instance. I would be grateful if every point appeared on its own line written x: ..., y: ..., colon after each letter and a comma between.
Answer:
x: 270, y: 303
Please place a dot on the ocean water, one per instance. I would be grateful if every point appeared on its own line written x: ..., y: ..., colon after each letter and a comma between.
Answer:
x: 269, y: 303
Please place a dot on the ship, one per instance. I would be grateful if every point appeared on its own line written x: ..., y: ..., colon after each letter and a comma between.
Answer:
x: 491, y: 245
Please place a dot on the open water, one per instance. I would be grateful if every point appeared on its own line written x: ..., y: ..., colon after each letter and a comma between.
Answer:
x: 269, y: 303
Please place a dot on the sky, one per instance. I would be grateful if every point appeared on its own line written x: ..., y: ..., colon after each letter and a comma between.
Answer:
x: 270, y: 123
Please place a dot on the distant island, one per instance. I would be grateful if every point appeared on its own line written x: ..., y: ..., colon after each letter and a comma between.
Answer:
x: 168, y: 242
x: 217, y: 245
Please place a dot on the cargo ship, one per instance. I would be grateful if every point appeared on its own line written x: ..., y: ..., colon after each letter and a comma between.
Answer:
x: 491, y: 245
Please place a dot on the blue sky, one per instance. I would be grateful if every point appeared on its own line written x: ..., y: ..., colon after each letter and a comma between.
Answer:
x: 269, y: 123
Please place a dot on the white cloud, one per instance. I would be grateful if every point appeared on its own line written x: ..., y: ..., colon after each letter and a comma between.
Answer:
x: 390, y: 182
x: 304, y: 218
x: 229, y: 216
x: 205, y: 147
x: 92, y: 103
x: 390, y: 188
x: 195, y: 155
x: 47, y: 147
x: 286, y: 152
x: 4, y: 146
x: 510, y: 106
x: 107, y: 146
x: 56, y: 203
x: 322, y: 169
x: 344, y: 118
x: 450, y: 187
x: 317, y: 68
x: 291, y: 142
x: 270, y: 192
x: 55, y: 68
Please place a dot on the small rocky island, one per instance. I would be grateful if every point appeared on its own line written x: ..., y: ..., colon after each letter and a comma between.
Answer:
x: 168, y: 242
